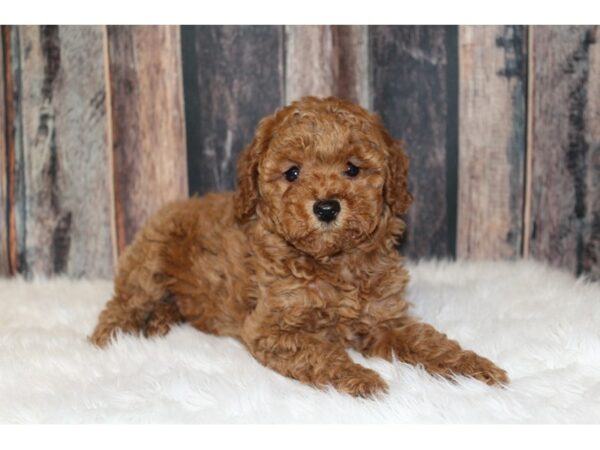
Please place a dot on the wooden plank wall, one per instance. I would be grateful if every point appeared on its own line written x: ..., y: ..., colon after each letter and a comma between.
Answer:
x: 233, y: 77
x: 501, y: 125
x: 327, y: 60
x: 64, y: 210
x: 4, y: 258
x: 148, y: 133
x: 492, y: 130
x: 8, y: 251
x: 98, y: 138
x: 412, y: 88
x: 565, y: 148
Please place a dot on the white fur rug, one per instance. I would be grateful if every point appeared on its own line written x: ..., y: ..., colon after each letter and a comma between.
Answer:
x: 541, y: 325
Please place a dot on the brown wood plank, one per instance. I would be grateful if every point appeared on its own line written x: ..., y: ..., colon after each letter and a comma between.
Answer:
x: 527, y: 190
x: 148, y: 123
x: 565, y: 209
x: 233, y: 77
x: 327, y: 60
x: 492, y: 140
x: 64, y: 199
x: 414, y: 89
x: 12, y: 133
x: 4, y: 256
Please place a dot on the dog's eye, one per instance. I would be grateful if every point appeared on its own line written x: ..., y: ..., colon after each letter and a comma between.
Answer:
x: 292, y: 173
x: 352, y: 170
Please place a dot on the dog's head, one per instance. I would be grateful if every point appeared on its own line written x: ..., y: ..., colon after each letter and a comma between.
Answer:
x: 323, y: 174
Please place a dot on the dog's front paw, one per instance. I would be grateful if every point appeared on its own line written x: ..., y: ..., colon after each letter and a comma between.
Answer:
x: 102, y: 336
x: 360, y: 382
x: 473, y: 365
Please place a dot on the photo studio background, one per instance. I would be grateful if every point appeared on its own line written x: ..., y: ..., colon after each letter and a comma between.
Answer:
x: 100, y: 126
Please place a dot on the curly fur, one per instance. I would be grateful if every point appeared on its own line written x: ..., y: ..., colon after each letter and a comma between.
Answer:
x: 259, y: 266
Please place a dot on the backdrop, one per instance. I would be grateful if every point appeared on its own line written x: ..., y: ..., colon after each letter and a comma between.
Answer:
x: 99, y: 126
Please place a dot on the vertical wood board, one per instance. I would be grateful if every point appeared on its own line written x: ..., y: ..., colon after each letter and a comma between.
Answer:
x: 565, y: 228
x: 12, y: 140
x: 233, y: 77
x: 4, y: 204
x: 64, y: 219
x: 590, y: 258
x: 148, y: 123
x: 492, y: 140
x: 413, y: 83
x: 325, y: 60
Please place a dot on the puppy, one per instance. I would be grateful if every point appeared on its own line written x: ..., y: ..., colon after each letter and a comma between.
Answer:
x: 300, y: 263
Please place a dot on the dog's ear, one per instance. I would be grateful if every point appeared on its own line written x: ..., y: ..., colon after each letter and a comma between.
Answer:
x: 397, y: 195
x: 246, y: 197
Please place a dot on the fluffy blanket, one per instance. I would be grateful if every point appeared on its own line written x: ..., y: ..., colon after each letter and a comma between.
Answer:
x: 540, y: 324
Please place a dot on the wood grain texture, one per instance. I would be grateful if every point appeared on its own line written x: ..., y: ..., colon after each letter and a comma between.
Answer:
x: 528, y: 182
x: 4, y: 255
x: 412, y: 70
x: 12, y: 136
x: 590, y: 258
x: 492, y: 140
x: 64, y: 196
x: 565, y: 204
x: 233, y: 77
x: 149, y: 142
x: 327, y: 60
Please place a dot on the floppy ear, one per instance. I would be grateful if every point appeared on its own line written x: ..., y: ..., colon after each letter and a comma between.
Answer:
x: 246, y: 197
x: 397, y: 195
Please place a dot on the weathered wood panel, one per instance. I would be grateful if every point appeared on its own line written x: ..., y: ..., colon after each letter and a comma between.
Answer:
x: 64, y: 203
x: 414, y: 88
x: 150, y: 166
x: 12, y: 136
x: 492, y: 140
x: 590, y: 258
x: 233, y: 76
x: 4, y: 256
x: 57, y: 204
x: 565, y: 228
x: 327, y: 60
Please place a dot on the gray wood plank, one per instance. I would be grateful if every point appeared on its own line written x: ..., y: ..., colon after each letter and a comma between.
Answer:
x: 148, y: 123
x: 414, y: 89
x: 492, y: 140
x: 590, y: 258
x: 233, y: 77
x: 324, y: 60
x: 65, y: 199
x: 565, y: 210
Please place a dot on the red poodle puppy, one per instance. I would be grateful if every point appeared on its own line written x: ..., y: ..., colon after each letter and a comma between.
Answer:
x: 299, y: 263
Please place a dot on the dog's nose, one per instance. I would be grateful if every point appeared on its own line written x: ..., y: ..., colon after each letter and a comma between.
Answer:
x: 326, y: 210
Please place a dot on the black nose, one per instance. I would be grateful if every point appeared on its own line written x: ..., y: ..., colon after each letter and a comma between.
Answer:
x: 326, y: 210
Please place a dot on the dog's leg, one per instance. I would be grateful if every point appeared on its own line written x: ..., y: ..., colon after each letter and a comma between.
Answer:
x: 115, y: 316
x: 312, y: 361
x: 163, y: 316
x: 419, y: 343
x: 142, y: 302
x: 135, y: 314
